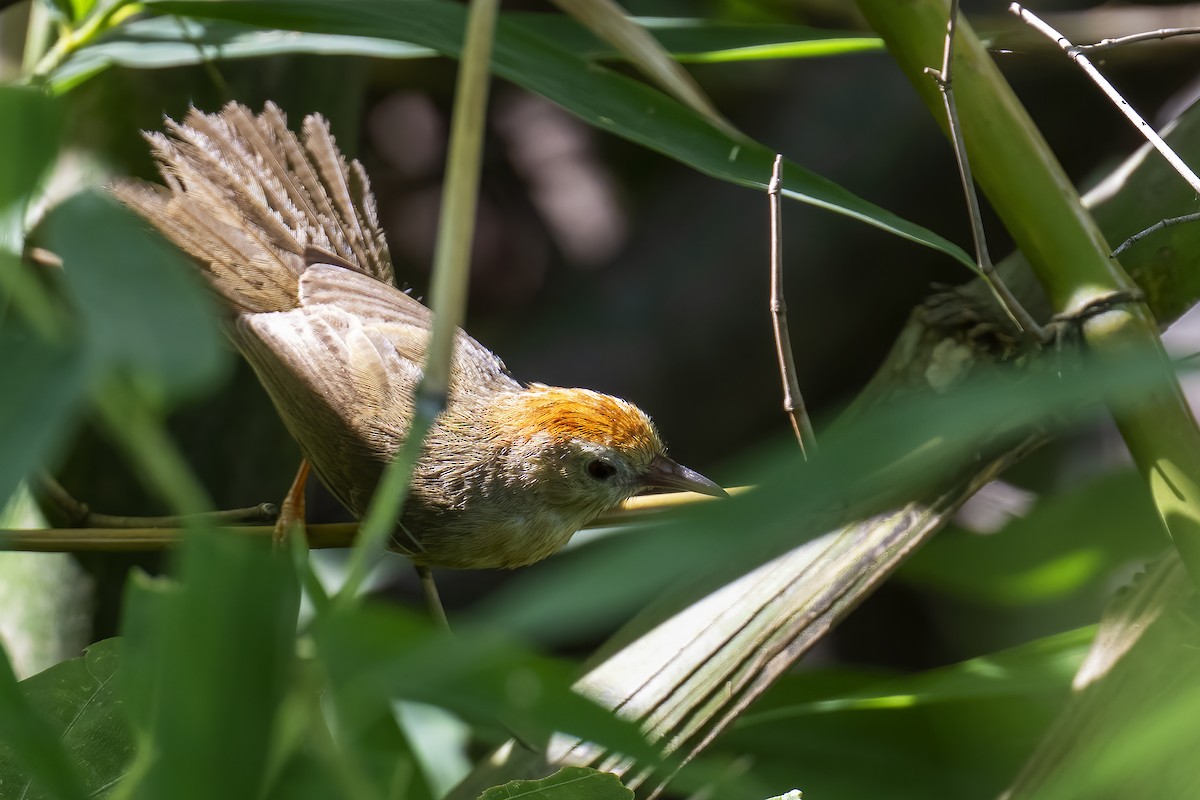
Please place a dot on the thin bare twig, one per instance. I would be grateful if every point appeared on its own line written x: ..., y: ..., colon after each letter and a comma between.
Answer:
x: 944, y: 78
x: 1075, y: 54
x: 1146, y: 36
x: 793, y: 401
x: 1158, y: 226
x: 80, y: 515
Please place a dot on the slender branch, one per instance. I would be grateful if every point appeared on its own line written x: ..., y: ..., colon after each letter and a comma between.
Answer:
x: 341, y: 534
x: 793, y: 401
x: 1075, y: 54
x: 80, y: 515
x: 944, y: 79
x: 1158, y: 226
x: 1119, y: 41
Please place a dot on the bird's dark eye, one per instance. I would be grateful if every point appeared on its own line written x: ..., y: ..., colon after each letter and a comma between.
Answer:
x: 600, y: 469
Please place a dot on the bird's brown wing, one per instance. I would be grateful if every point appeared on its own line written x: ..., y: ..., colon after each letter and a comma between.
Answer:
x: 348, y: 360
x: 397, y: 327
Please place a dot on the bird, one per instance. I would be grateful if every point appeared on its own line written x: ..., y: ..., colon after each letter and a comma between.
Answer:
x: 287, y: 233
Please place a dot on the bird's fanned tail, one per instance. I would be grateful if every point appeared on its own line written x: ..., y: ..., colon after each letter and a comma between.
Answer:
x: 253, y: 204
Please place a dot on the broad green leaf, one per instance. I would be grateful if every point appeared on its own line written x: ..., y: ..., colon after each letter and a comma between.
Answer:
x: 569, y: 783
x: 143, y: 305
x: 79, y: 699
x: 210, y: 662
x: 44, y: 386
x: 599, y: 96
x: 33, y: 757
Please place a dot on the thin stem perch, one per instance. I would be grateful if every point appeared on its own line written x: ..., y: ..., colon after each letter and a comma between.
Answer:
x: 944, y: 80
x: 793, y: 401
x: 1075, y: 54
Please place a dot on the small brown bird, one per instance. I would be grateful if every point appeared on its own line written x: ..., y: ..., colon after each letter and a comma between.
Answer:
x: 287, y: 233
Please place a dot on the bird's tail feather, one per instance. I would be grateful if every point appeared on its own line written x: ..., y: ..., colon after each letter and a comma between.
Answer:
x: 253, y: 204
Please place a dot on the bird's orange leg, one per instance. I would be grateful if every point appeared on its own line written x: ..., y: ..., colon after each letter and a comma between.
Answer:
x: 291, y: 510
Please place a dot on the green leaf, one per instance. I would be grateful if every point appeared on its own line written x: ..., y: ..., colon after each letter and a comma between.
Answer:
x: 44, y: 386
x: 569, y: 783
x: 30, y: 138
x: 709, y: 41
x: 144, y: 307
x: 1044, y: 666
x: 210, y: 661
x: 30, y: 135
x: 1067, y: 542
x: 79, y: 699
x: 957, y: 731
x: 159, y: 42
x: 375, y: 655
x: 599, y: 96
x: 33, y: 759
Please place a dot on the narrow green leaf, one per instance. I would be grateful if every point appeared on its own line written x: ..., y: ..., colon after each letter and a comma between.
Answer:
x: 1067, y: 542
x: 599, y: 96
x: 80, y: 701
x: 712, y: 41
x: 607, y: 20
x: 31, y: 130
x: 33, y: 759
x: 210, y: 663
x: 44, y: 387
x: 569, y: 783
x: 29, y: 135
x: 143, y: 305
x: 1044, y: 666
x: 159, y: 42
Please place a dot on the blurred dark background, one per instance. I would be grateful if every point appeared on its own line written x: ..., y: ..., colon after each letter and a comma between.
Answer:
x: 598, y: 263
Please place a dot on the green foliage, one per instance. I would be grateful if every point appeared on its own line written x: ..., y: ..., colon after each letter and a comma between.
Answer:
x: 79, y: 700
x: 599, y: 96
x: 569, y: 783
x: 34, y: 759
x: 958, y: 731
x: 1067, y: 543
x: 43, y: 394
x: 215, y: 689
x: 127, y: 282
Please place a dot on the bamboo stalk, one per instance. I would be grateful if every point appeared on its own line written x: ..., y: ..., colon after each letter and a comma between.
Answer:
x: 1042, y: 211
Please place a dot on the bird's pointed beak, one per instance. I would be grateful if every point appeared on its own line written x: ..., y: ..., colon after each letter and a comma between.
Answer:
x: 666, y: 473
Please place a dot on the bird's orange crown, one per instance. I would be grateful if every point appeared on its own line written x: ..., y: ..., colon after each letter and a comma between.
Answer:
x: 566, y: 414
